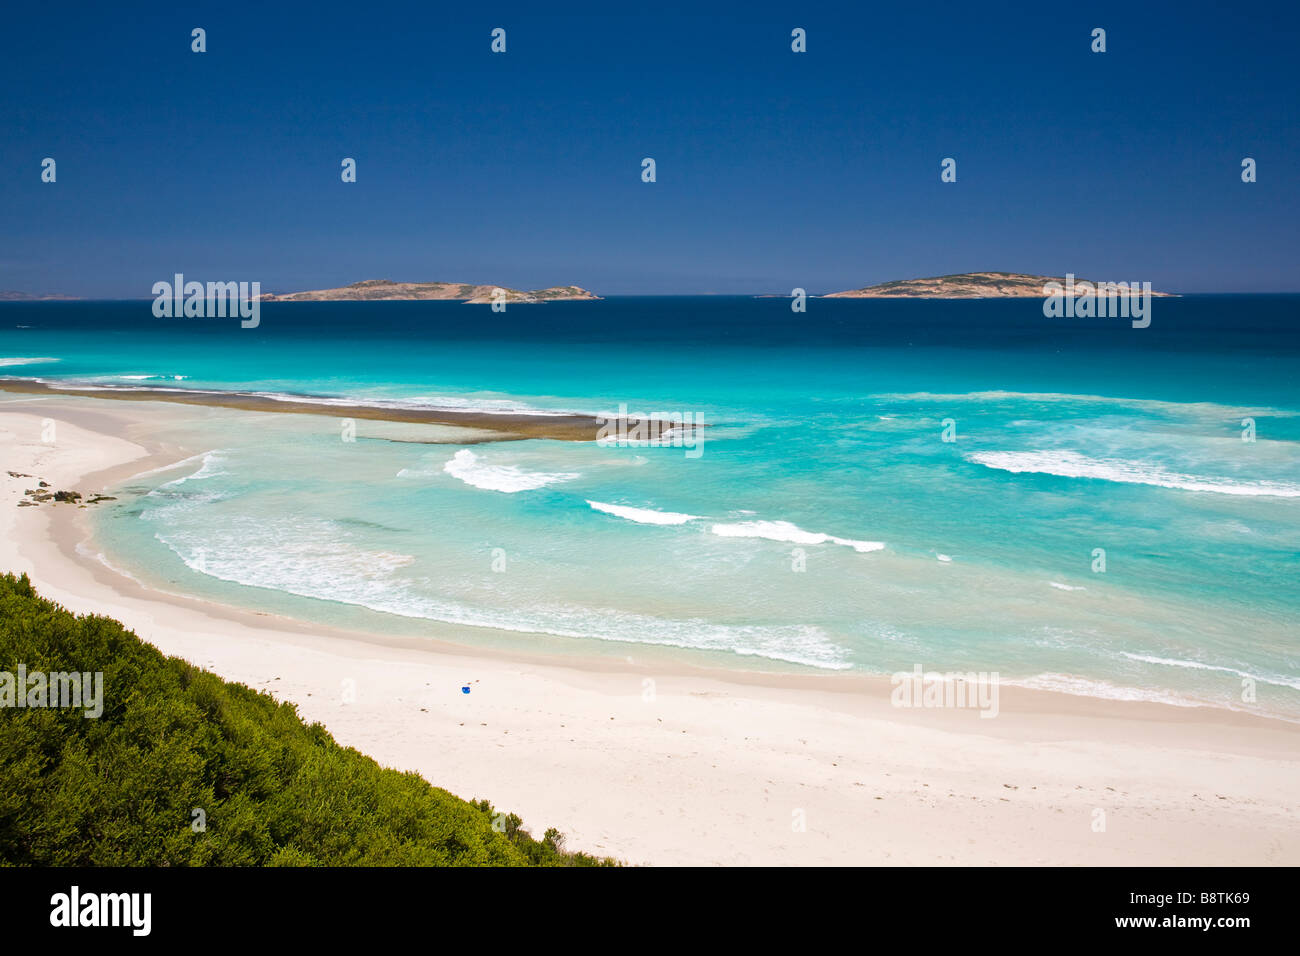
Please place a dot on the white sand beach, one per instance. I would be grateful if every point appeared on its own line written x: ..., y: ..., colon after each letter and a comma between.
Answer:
x: 672, y: 765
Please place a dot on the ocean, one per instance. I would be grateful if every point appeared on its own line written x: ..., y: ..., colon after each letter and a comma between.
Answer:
x: 1075, y: 504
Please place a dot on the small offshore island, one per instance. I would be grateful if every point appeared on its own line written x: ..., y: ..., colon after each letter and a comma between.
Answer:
x: 9, y: 295
x: 967, y: 285
x: 386, y: 290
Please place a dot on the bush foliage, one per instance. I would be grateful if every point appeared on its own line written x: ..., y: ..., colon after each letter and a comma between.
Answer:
x: 121, y: 790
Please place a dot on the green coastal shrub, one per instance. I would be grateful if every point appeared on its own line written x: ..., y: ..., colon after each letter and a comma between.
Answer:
x: 185, y: 769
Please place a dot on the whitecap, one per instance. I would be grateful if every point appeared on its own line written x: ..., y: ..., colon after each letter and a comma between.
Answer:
x: 466, y: 466
x: 1070, y: 464
x: 1211, y: 409
x: 211, y: 468
x: 26, y: 361
x: 174, y: 465
x: 786, y: 531
x: 643, y: 515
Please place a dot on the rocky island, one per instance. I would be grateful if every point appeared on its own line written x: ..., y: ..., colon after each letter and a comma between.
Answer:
x: 967, y: 285
x: 383, y: 290
x: 10, y: 295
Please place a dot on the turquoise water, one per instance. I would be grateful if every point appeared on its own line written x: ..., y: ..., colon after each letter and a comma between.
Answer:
x: 825, y: 523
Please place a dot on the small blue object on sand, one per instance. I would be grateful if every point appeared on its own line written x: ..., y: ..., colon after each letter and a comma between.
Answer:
x: 465, y: 689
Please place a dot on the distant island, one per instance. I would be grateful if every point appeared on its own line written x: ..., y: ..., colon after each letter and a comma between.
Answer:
x: 11, y: 296
x: 967, y: 285
x: 376, y: 290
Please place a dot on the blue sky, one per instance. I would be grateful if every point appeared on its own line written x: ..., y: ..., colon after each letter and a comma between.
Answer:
x: 775, y: 169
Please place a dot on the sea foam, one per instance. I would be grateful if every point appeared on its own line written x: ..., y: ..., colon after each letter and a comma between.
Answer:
x: 1085, y: 687
x: 1070, y: 464
x: 467, y: 466
x: 786, y: 531
x: 1277, y: 680
x: 26, y: 361
x: 318, y: 559
x: 643, y: 515
x: 1206, y: 409
x: 212, y: 467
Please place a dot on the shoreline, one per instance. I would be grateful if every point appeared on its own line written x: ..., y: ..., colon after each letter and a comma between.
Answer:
x: 714, y: 765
